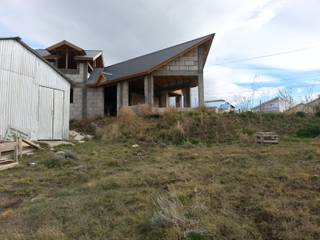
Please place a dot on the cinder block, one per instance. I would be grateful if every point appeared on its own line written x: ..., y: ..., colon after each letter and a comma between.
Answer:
x: 192, y: 68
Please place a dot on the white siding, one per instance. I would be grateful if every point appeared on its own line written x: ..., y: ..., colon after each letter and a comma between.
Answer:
x: 21, y: 75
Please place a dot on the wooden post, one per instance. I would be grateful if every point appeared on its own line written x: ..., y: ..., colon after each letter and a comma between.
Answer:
x: 67, y: 57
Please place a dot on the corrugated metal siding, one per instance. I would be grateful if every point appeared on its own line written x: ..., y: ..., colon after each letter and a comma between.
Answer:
x: 21, y: 74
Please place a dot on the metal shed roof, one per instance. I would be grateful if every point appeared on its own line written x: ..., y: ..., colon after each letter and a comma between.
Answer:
x: 147, y: 63
x: 18, y: 39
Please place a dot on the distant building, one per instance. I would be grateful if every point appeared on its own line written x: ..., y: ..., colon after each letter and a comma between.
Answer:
x: 220, y: 105
x: 275, y: 105
x: 310, y: 107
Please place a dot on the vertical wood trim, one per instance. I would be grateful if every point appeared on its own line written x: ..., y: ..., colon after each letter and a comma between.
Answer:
x: 119, y: 98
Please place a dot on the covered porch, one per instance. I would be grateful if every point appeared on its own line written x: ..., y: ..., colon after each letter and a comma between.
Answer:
x: 158, y: 91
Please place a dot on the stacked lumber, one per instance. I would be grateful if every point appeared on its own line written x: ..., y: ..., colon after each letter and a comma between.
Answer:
x: 267, y: 138
x: 11, y: 151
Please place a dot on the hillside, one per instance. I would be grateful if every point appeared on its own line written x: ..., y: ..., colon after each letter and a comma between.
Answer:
x: 178, y: 176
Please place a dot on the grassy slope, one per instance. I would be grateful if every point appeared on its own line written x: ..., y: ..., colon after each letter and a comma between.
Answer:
x: 227, y: 191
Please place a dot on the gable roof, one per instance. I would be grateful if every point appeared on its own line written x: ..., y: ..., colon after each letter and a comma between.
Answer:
x: 18, y: 39
x: 89, y: 54
x: 267, y: 102
x: 145, y: 64
x: 64, y: 42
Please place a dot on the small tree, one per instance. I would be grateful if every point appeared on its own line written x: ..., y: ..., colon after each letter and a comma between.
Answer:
x: 285, y: 95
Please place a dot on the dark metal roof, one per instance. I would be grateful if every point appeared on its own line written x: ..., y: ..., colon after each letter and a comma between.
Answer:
x: 18, y: 39
x: 94, y: 76
x: 141, y: 65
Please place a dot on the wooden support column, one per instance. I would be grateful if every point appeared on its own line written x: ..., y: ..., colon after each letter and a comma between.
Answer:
x: 67, y: 59
x: 186, y: 97
x: 149, y: 90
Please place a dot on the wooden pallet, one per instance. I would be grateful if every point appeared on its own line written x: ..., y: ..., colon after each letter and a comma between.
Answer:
x: 10, y: 153
x: 267, y: 138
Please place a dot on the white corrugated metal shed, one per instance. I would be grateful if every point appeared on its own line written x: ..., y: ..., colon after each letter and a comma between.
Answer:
x: 34, y: 96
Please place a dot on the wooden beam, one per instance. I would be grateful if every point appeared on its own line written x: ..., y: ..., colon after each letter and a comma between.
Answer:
x: 67, y: 56
x: 175, y: 73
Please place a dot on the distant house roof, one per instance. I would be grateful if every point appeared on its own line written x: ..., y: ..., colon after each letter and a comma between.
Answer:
x: 148, y: 63
x: 219, y: 103
x: 36, y: 53
x: 265, y: 103
x: 317, y: 100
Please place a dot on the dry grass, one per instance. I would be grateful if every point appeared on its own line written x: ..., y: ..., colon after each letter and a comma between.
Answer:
x: 216, y: 184
x: 115, y: 191
x: 199, y: 126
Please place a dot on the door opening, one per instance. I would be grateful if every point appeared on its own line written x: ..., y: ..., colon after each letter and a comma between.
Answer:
x: 110, y: 101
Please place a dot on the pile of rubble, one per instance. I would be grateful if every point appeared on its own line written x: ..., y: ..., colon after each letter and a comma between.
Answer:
x: 78, y: 137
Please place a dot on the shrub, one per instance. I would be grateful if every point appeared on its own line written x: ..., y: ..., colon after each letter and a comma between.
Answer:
x: 248, y: 130
x: 301, y: 114
x: 172, y: 214
x: 309, y: 131
x: 317, y: 114
x: 61, y: 159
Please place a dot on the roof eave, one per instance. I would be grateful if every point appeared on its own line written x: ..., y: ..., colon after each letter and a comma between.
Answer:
x: 149, y: 71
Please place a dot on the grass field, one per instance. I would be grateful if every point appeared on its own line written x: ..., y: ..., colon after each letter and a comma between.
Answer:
x: 155, y: 191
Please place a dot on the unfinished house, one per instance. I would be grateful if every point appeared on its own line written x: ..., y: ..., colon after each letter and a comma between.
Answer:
x: 80, y: 66
x: 275, y: 105
x: 151, y: 79
x: 34, y: 96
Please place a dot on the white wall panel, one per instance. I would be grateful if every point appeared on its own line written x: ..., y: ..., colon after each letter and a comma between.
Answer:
x: 21, y: 75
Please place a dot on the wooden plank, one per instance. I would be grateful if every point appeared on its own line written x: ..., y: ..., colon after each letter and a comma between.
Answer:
x: 6, y: 147
x: 31, y: 143
x: 8, y: 166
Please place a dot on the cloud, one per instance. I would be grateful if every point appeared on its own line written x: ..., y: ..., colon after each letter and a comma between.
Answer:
x: 227, y: 83
x: 127, y: 28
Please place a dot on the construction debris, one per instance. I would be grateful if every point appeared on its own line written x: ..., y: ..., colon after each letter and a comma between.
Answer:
x: 13, y: 133
x: 67, y: 154
x: 267, y: 138
x: 11, y: 151
x: 53, y: 144
x: 81, y: 138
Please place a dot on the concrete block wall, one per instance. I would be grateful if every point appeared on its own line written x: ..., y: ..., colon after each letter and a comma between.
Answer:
x: 95, y: 102
x: 187, y: 62
x: 76, y: 106
x: 137, y: 99
x: 77, y: 78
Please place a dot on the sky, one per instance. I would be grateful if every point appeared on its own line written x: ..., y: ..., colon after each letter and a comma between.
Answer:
x: 288, y: 30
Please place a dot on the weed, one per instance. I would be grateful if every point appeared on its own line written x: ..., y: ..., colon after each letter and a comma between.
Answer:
x: 309, y: 131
